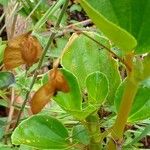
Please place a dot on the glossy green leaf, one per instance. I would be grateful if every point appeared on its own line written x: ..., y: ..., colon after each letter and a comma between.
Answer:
x: 41, y: 131
x: 83, y: 59
x: 141, y: 100
x: 80, y: 135
x: 130, y: 15
x: 119, y: 36
x: 97, y: 87
x: 6, y: 79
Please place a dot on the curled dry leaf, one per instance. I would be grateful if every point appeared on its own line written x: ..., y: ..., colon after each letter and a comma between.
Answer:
x: 56, y: 83
x: 24, y: 49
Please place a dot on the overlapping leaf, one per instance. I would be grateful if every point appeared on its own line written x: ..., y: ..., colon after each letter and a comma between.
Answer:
x: 117, y: 18
x: 83, y: 57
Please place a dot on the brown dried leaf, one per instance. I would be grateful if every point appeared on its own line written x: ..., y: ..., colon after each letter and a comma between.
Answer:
x: 12, y: 58
x: 59, y: 81
x: 31, y: 50
x: 56, y: 83
x: 41, y: 98
x: 24, y: 49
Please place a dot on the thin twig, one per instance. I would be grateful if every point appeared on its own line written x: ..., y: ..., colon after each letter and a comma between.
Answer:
x: 13, y: 26
x: 11, y: 111
x: 84, y: 22
x: 41, y: 60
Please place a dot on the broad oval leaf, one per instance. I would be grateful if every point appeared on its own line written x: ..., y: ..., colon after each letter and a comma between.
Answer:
x: 97, y: 87
x: 83, y: 59
x: 140, y: 101
x: 130, y: 15
x: 119, y: 36
x: 6, y: 79
x: 41, y: 131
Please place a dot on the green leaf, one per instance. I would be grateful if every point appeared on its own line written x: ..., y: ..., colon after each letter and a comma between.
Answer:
x: 2, y: 48
x: 52, y: 9
x: 95, y: 10
x: 4, y: 2
x: 5, y: 147
x: 142, y: 135
x: 142, y: 114
x: 141, y: 68
x: 141, y: 100
x: 2, y: 124
x: 86, y: 58
x: 80, y: 135
x: 6, y: 79
x: 130, y: 15
x: 41, y: 131
x: 97, y: 87
x: 146, y: 68
x: 73, y: 99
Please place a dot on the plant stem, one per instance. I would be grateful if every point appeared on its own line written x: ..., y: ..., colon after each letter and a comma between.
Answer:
x: 130, y: 90
x: 41, y: 59
x: 94, y: 132
x: 11, y: 111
